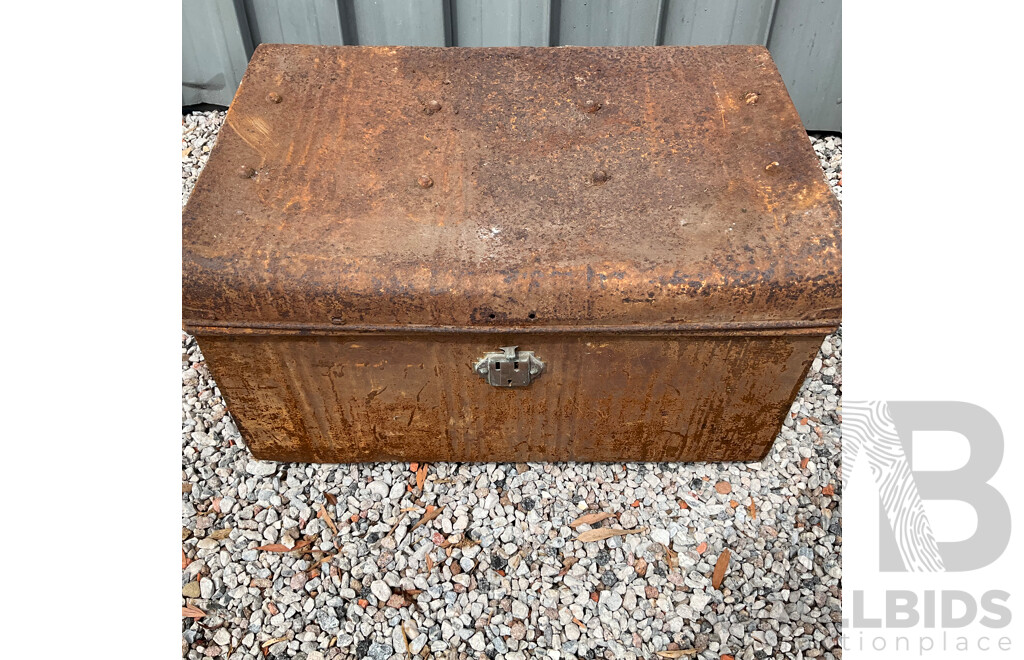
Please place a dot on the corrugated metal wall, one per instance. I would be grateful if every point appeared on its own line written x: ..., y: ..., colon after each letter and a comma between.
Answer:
x: 804, y: 35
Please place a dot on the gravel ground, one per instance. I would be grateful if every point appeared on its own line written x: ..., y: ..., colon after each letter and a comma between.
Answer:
x: 499, y: 572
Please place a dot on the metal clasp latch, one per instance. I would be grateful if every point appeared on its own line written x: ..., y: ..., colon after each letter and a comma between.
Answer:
x: 509, y: 368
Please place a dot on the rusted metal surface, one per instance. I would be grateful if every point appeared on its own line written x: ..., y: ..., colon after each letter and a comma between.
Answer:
x: 373, y: 220
x: 601, y: 398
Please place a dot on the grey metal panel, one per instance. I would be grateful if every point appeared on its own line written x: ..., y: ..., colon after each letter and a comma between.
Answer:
x: 397, y: 22
x: 215, y: 50
x: 501, y: 22
x: 717, y: 22
x: 606, y: 22
x: 806, y: 43
x: 289, y: 22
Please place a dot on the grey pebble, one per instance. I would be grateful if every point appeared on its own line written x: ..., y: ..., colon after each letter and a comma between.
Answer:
x: 261, y: 468
x: 379, y: 488
x: 381, y: 590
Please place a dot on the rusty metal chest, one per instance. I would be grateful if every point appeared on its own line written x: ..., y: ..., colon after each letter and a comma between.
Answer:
x: 511, y: 254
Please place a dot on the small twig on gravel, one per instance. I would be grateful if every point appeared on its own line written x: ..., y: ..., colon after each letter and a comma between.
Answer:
x: 398, y: 521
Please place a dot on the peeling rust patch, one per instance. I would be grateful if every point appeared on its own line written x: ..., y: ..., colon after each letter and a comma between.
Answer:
x: 373, y: 394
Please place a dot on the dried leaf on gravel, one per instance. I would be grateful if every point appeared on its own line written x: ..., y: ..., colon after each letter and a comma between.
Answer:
x: 676, y: 654
x: 326, y: 517
x: 398, y: 521
x: 193, y: 612
x: 221, y: 534
x: 603, y: 533
x: 405, y: 638
x: 432, y: 512
x: 421, y: 476
x: 720, y: 566
x: 753, y: 510
x: 672, y: 558
x: 590, y: 519
x: 271, y: 642
x: 466, y: 542
x: 321, y: 561
x: 278, y: 547
x: 331, y: 498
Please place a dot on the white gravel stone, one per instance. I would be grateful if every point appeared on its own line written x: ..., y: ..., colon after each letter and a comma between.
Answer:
x: 381, y: 590
x: 379, y: 488
x: 611, y: 600
x: 261, y: 468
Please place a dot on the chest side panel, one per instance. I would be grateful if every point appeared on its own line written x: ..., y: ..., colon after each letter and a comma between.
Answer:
x: 600, y: 398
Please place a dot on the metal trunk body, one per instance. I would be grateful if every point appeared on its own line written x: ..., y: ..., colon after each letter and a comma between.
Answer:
x: 378, y: 227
